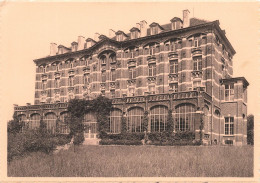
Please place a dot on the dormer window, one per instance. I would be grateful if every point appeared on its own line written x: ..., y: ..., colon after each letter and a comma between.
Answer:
x: 155, y: 28
x: 120, y: 36
x: 135, y: 33
x: 176, y: 23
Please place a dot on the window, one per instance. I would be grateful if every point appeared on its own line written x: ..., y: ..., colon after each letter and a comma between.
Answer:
x: 159, y: 118
x: 152, y: 70
x: 174, y: 87
x: 152, y: 50
x: 63, y: 128
x: 103, y: 76
x: 229, y: 125
x: 113, y: 93
x: 131, y: 91
x: 71, y: 83
x: 173, y: 46
x: 115, y: 121
x: 135, y: 120
x: 50, y: 121
x: 71, y: 65
x: 57, y: 83
x: 86, y: 79
x: 134, y: 35
x: 44, y: 69
x: 34, y: 121
x: 44, y: 84
x: 132, y: 73
x: 151, y: 89
x: 197, y: 63
x: 184, y: 117
x: 229, y: 142
x: 174, y: 67
x: 196, y: 42
x: 229, y: 92
x: 113, y: 75
x: 154, y: 30
x: 131, y: 53
x: 174, y: 25
x: 103, y: 59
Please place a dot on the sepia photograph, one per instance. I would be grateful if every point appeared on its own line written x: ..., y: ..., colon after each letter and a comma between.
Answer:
x: 139, y: 91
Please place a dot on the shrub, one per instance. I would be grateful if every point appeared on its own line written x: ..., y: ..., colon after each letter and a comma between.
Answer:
x: 120, y: 142
x: 32, y: 141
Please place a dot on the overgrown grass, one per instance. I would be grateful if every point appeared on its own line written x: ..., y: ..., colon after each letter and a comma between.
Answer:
x: 137, y: 161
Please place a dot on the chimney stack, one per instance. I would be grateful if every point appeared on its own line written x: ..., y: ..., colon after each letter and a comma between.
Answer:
x: 111, y: 33
x: 186, y: 18
x: 53, y: 49
x: 96, y: 35
x: 81, y: 42
x: 143, y: 28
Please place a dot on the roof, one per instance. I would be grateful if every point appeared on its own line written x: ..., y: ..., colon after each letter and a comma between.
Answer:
x: 245, y: 82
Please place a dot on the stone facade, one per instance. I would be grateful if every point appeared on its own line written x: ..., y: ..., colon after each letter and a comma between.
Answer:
x: 185, y: 66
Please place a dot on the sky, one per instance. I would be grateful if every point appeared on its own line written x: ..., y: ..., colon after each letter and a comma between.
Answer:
x: 28, y: 28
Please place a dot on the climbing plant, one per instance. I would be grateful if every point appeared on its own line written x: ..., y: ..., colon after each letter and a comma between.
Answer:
x: 123, y: 125
x: 145, y: 121
x: 170, y: 125
x: 100, y: 106
x: 201, y: 128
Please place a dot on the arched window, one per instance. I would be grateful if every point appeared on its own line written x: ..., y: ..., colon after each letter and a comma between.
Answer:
x: 135, y: 120
x: 50, y: 121
x: 159, y: 118
x: 90, y: 123
x: 103, y: 59
x: 115, y: 121
x: 63, y: 127
x: 34, y: 121
x: 184, y: 117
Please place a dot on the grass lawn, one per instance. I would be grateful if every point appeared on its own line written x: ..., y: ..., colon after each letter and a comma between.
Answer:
x: 138, y: 161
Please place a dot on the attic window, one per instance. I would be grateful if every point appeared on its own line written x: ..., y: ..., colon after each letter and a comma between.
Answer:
x: 154, y: 30
x: 134, y: 34
x: 196, y: 42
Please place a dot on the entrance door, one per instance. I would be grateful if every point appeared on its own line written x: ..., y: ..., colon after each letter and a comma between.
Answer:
x: 90, y: 126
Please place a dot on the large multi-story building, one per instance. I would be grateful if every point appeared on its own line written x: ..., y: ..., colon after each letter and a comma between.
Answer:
x: 185, y: 66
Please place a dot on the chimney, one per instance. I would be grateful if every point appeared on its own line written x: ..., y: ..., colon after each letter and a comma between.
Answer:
x: 28, y: 104
x: 81, y: 42
x: 186, y: 18
x: 96, y: 35
x: 53, y: 49
x: 111, y: 33
x: 138, y: 26
x: 15, y: 105
x: 143, y: 28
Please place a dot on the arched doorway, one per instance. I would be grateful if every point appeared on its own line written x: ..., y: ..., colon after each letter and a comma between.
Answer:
x: 90, y: 125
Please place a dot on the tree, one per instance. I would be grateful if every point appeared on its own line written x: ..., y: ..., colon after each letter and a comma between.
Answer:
x: 250, y: 129
x: 14, y: 126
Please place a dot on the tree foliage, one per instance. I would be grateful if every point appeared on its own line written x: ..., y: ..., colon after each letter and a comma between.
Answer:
x: 13, y: 125
x: 250, y: 129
